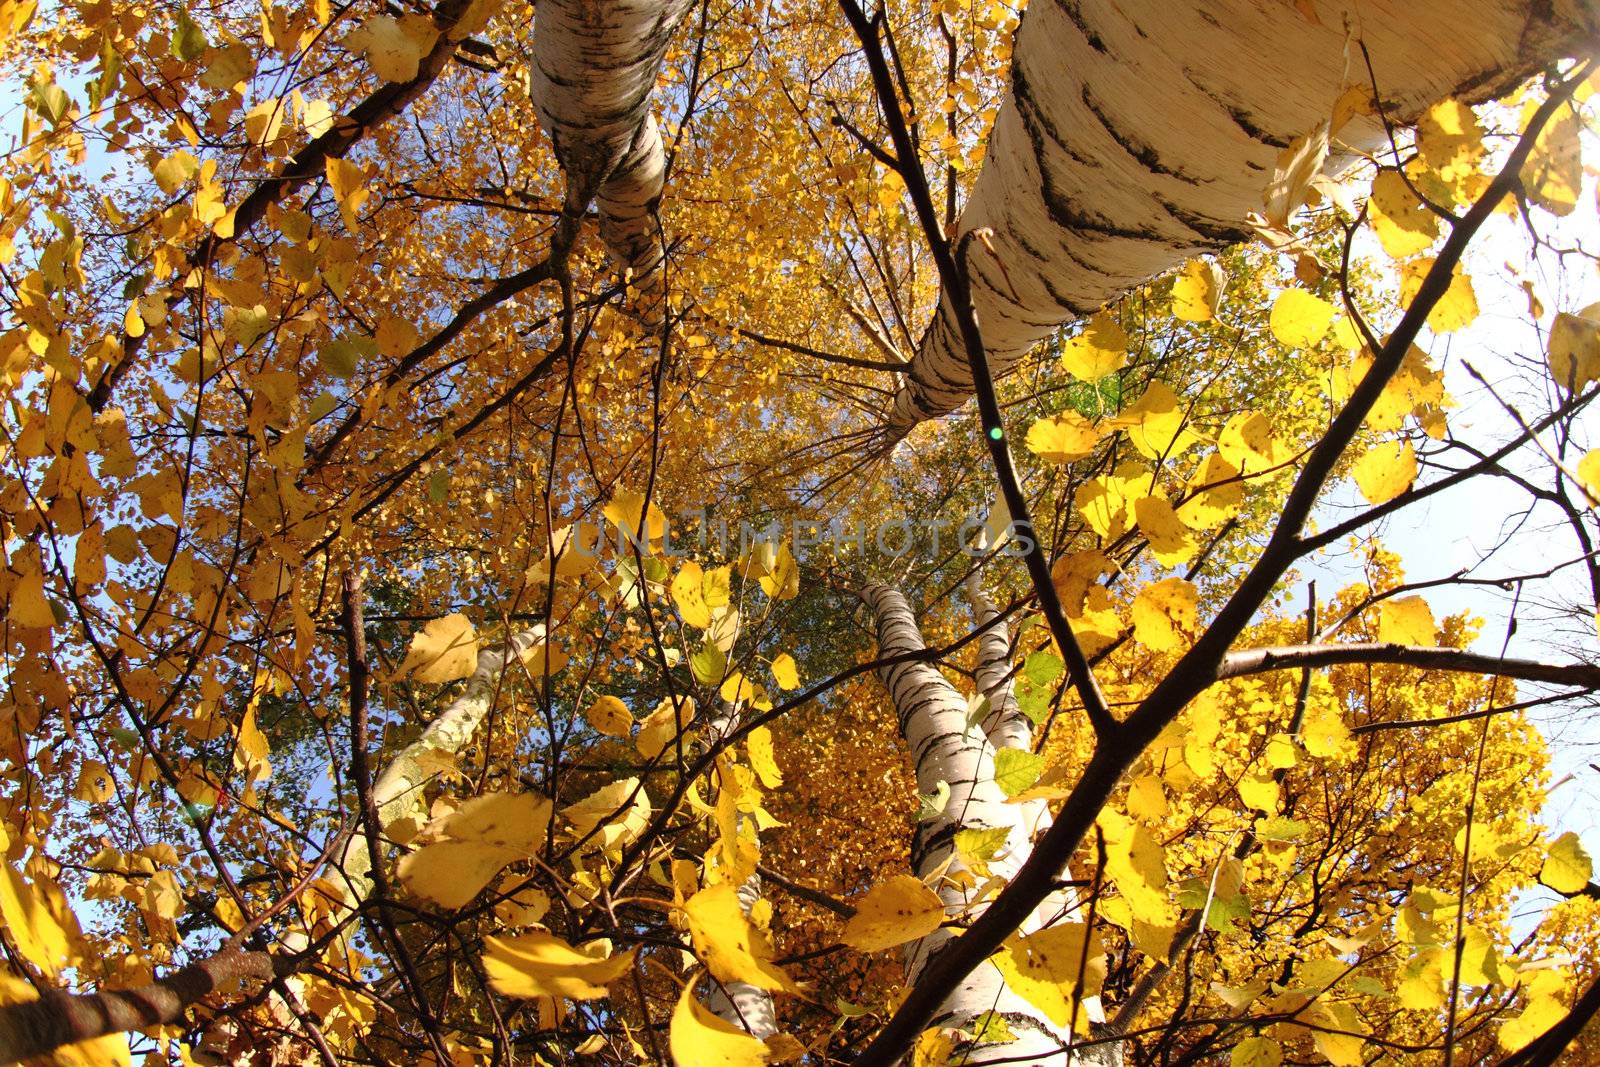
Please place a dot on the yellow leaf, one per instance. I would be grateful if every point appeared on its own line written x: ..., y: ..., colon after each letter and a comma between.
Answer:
x: 395, y: 336
x: 1062, y: 438
x: 1136, y: 863
x: 250, y: 751
x: 574, y: 550
x: 1216, y: 495
x: 624, y: 803
x: 42, y: 933
x: 700, y: 1039
x: 782, y: 578
x: 1169, y: 538
x: 1246, y: 443
x: 28, y: 607
x: 610, y: 716
x: 893, y: 912
x: 1298, y: 319
x: 394, y: 47
x: 1553, y: 174
x: 1567, y: 868
x: 688, y: 593
x: 1156, y: 423
x: 442, y: 651
x: 730, y: 946
x: 1198, y: 290
x: 540, y: 964
x: 1574, y: 348
x: 1406, y: 621
x: 1589, y: 475
x: 934, y: 1048
x: 1165, y: 614
x: 1404, y: 226
x: 663, y: 725
x: 471, y: 845
x: 627, y: 513
x: 1256, y: 1052
x: 263, y: 122
x: 785, y: 672
x: 1101, y: 349
x: 349, y: 185
x: 1052, y: 967
x: 1386, y: 471
x: 94, y: 783
x: 762, y: 758
x: 1545, y: 993
x: 1259, y: 792
x: 1455, y: 309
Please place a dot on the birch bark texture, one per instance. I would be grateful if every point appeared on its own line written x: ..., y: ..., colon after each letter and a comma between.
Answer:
x: 742, y: 1004
x: 594, y: 66
x: 1138, y: 134
x: 932, y: 717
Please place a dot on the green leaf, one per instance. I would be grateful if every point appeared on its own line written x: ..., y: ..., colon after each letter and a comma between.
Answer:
x: 340, y: 356
x: 991, y: 1028
x: 708, y: 664
x: 1043, y: 668
x: 51, y: 101
x: 1016, y: 769
x: 1280, y: 829
x: 1033, y: 700
x: 187, y: 40
x: 439, y: 486
x: 931, y: 805
x: 979, y: 845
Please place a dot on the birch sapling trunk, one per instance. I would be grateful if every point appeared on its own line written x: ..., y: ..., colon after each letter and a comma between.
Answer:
x: 740, y: 1003
x: 946, y: 751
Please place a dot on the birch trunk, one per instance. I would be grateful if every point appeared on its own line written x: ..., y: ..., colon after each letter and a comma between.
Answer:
x: 1138, y: 134
x: 932, y: 717
x: 740, y: 1003
x: 594, y: 65
x: 398, y: 788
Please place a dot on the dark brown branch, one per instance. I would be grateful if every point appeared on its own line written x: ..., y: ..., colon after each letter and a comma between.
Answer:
x: 1286, y: 657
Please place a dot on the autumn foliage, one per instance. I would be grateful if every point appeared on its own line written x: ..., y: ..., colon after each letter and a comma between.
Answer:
x: 390, y: 673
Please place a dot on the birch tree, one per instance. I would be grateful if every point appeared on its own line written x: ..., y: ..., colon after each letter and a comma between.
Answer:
x: 479, y: 587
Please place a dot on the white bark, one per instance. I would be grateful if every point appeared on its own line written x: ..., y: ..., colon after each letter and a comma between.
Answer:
x: 594, y: 65
x: 398, y: 788
x: 740, y: 1003
x: 933, y: 720
x: 1137, y: 134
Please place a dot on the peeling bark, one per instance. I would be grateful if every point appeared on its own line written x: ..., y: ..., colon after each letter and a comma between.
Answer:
x: 1136, y: 135
x: 932, y: 716
x: 594, y: 66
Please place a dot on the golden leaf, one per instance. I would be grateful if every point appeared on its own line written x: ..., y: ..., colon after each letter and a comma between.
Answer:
x: 1198, y: 290
x: 730, y: 946
x: 700, y: 1039
x: 762, y: 758
x: 1406, y: 621
x: 442, y: 651
x: 1567, y: 867
x: 1053, y: 967
x: 785, y: 672
x: 1062, y: 438
x: 1101, y: 349
x: 1298, y: 319
x: 688, y: 593
x: 540, y: 964
x: 1385, y: 471
x: 471, y: 845
x: 1165, y: 614
x: 610, y: 716
x: 893, y: 912
x: 394, y: 47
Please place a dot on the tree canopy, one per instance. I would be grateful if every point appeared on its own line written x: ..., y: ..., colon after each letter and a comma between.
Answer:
x: 739, y: 533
